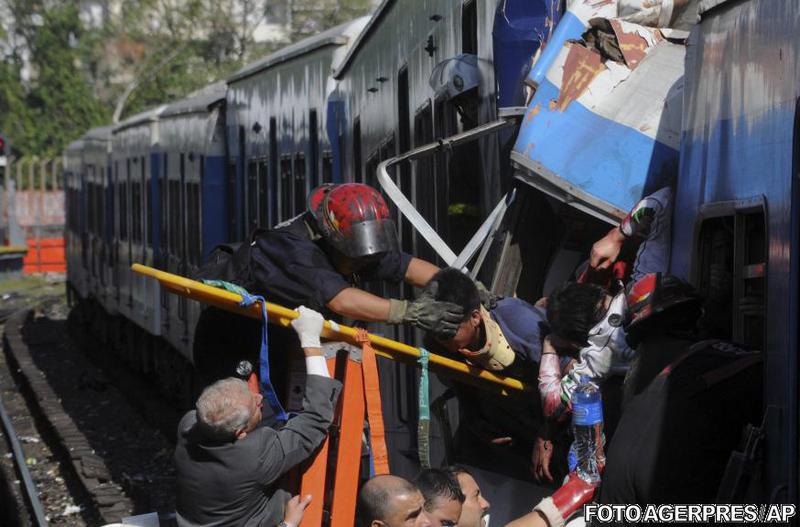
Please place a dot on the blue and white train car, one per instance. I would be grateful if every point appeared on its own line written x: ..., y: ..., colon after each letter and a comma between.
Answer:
x: 189, y: 218
x: 738, y: 198
x: 75, y: 228
x: 431, y: 72
x: 277, y: 145
x: 414, y: 76
x: 135, y: 162
x: 96, y: 163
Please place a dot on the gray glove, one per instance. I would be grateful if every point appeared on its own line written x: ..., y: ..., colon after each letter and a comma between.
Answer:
x: 488, y: 299
x: 428, y: 314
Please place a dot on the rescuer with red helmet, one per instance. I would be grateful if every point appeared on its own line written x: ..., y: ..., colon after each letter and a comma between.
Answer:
x: 320, y: 257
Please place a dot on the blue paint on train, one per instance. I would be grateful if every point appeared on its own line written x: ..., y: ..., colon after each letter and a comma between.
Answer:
x: 608, y: 160
x: 213, y: 204
x: 570, y: 27
x: 751, y: 160
x: 519, y: 28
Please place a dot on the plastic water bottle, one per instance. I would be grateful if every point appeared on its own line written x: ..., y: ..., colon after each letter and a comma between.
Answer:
x: 587, y: 429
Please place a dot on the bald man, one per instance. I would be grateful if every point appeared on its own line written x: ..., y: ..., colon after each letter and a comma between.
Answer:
x: 391, y: 501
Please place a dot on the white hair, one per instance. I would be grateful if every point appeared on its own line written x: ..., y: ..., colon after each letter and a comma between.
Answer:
x: 224, y: 408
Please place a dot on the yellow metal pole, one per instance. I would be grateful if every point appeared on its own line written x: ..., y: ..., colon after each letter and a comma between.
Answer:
x: 283, y: 316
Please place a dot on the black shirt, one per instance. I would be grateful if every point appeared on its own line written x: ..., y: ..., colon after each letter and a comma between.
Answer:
x: 290, y: 268
x: 677, y: 432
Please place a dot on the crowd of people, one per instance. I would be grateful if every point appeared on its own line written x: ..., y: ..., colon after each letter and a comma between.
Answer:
x: 618, y: 319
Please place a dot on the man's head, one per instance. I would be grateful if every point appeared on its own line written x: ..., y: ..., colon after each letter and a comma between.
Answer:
x: 451, y: 285
x: 443, y: 496
x: 228, y: 410
x: 391, y: 501
x: 573, y: 311
x: 475, y: 509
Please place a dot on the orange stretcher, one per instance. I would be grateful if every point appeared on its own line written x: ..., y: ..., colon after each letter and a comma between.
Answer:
x: 337, y: 492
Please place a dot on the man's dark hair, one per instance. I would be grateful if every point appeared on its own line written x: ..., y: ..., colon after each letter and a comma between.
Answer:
x: 375, y: 497
x: 451, y: 285
x: 574, y: 310
x: 457, y: 469
x: 438, y: 484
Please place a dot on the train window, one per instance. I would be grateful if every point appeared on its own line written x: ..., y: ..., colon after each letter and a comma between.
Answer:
x: 300, y: 192
x: 313, y: 148
x: 252, y: 195
x: 424, y: 191
x: 163, y: 189
x: 404, y: 145
x: 230, y: 199
x: 284, y: 197
x: 459, y: 175
x: 371, y: 167
x: 237, y: 212
x: 265, y: 208
x: 199, y: 213
x: 272, y: 198
x: 356, y: 151
x: 327, y: 167
x: 136, y: 210
x: 730, y: 270
x: 180, y: 248
x: 115, y: 224
x: 123, y: 202
x: 469, y: 27
x: 90, y: 195
x: 193, y: 228
x: 148, y: 204
x: 174, y: 215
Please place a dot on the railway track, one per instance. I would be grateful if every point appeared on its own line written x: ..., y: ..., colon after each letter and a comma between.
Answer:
x: 32, y: 504
x: 93, y: 458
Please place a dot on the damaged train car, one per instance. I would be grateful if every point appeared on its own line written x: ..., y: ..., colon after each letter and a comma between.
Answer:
x: 630, y: 96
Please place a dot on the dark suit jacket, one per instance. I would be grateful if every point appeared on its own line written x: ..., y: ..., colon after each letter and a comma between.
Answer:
x: 231, y: 483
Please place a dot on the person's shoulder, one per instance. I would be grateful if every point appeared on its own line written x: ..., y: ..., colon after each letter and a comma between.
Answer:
x: 519, y: 316
x: 521, y: 308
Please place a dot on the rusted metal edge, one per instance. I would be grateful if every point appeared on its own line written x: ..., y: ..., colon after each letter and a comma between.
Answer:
x: 538, y: 176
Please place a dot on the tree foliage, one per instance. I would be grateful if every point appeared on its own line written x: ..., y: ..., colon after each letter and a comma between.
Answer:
x: 65, y: 64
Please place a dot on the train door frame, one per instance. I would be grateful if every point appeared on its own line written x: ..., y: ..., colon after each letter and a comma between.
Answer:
x: 739, y: 211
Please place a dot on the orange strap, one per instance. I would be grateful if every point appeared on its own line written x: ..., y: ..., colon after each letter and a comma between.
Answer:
x: 372, y: 396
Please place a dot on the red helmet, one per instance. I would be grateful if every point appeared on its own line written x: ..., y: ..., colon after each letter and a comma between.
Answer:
x: 656, y: 293
x: 353, y: 218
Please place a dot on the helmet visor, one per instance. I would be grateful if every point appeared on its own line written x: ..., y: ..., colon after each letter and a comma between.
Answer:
x: 367, y: 238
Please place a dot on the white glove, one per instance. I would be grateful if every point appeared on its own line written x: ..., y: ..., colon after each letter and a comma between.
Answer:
x: 308, y: 327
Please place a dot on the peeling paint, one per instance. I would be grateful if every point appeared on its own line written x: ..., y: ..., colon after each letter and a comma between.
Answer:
x: 632, y: 45
x: 533, y: 112
x: 581, y: 67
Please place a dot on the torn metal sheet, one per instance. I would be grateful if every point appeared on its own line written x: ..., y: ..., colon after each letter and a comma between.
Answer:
x: 677, y: 14
x: 581, y: 67
x: 603, y: 126
x: 634, y: 41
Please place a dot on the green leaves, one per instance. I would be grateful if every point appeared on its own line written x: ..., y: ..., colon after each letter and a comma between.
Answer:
x: 65, y: 64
